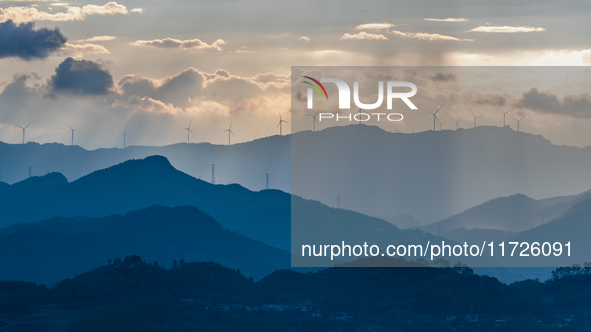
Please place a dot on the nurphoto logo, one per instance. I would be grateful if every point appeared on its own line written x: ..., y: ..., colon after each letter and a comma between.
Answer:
x: 344, y: 93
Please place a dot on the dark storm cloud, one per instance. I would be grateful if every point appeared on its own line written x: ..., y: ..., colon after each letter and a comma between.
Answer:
x: 440, y: 77
x: 578, y: 106
x: 24, y: 42
x: 81, y: 77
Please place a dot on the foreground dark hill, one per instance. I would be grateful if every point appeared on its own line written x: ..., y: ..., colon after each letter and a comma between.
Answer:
x: 428, y: 175
x: 135, y: 296
x: 51, y: 250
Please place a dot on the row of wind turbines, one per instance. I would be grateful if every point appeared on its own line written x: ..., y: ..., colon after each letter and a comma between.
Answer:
x: 436, y: 123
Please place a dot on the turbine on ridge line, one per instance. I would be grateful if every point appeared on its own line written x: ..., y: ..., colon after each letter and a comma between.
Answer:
x: 24, y: 130
x: 504, y: 113
x: 518, y: 121
x: 314, y: 120
x: 435, y: 119
x: 125, y: 136
x: 72, y: 133
x: 230, y: 132
x: 280, y: 125
x: 188, y: 129
x: 475, y: 117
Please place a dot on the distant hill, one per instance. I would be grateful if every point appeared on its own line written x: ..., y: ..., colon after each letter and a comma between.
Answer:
x: 510, y: 214
x: 49, y: 251
x: 428, y: 175
x: 574, y: 226
x: 402, y: 221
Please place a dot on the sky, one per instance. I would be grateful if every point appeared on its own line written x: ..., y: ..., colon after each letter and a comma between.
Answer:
x: 157, y: 66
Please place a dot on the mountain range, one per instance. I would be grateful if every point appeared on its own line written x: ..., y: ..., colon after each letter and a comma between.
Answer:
x: 429, y: 176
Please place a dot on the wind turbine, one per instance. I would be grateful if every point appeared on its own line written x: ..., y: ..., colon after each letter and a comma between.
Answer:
x: 230, y: 132
x: 188, y: 129
x: 72, y: 133
x: 518, y: 122
x: 440, y: 124
x: 360, y: 110
x: 24, y: 131
x: 124, y: 136
x: 457, y: 122
x: 435, y: 116
x: 504, y: 113
x: 280, y: 125
x: 314, y: 120
x: 475, y: 117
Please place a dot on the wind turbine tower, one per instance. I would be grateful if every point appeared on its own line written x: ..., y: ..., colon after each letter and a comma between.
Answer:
x: 314, y: 120
x: 457, y: 122
x: 189, y: 131
x: 435, y: 120
x: 475, y: 117
x: 72, y: 134
x: 504, y: 113
x: 280, y: 125
x: 267, y: 184
x: 125, y: 136
x: 230, y: 132
x: 518, y: 121
x: 24, y: 131
x: 360, y: 110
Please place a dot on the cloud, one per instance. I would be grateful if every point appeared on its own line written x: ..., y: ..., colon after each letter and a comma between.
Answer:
x: 374, y: 26
x: 577, y: 106
x: 177, y: 90
x: 440, y: 77
x: 24, y: 42
x: 303, y: 38
x: 81, y: 77
x: 244, y: 51
x: 506, y: 29
x: 77, y: 51
x: 489, y: 99
x: 194, y: 44
x: 147, y: 104
x: 98, y: 39
x: 427, y: 36
x: 364, y: 35
x: 137, y: 10
x: 28, y: 14
x: 447, y: 19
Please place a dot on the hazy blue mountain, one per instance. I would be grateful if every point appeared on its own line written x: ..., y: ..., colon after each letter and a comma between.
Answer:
x: 574, y: 226
x: 477, y: 235
x: 402, y: 221
x: 52, y: 250
x: 510, y: 214
x: 428, y: 175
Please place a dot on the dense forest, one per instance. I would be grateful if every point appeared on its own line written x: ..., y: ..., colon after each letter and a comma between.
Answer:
x: 133, y: 295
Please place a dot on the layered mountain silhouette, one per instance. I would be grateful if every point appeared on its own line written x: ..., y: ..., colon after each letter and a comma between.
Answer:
x: 49, y: 251
x: 273, y: 217
x: 429, y: 175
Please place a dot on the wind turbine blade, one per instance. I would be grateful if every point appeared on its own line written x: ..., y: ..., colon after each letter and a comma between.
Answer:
x: 231, y: 132
x: 191, y: 132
